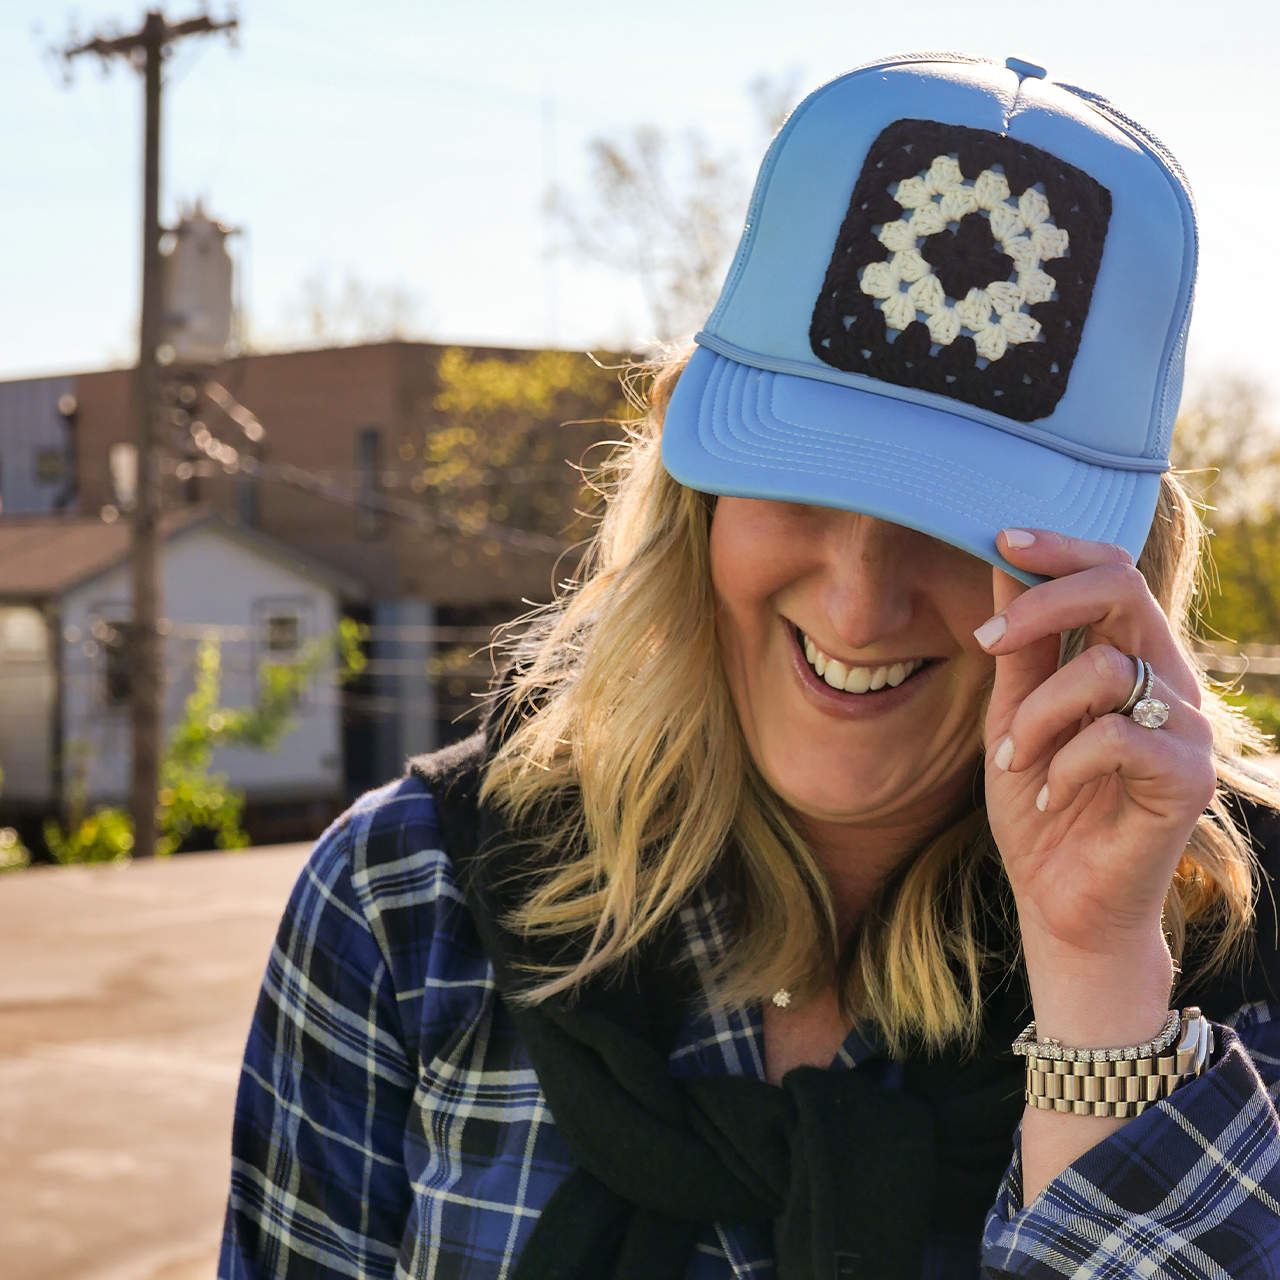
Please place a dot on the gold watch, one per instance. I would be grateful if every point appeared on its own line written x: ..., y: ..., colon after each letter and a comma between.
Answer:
x: 1115, y: 1082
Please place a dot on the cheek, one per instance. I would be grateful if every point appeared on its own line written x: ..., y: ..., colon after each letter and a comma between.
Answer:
x: 962, y: 595
x: 750, y: 559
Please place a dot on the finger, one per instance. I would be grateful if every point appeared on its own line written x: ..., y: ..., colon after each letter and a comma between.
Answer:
x: 1115, y: 605
x: 1093, y: 685
x: 1055, y: 555
x: 1168, y: 771
x: 1019, y: 672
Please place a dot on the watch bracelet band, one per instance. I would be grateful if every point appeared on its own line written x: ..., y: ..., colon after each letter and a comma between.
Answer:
x: 1121, y: 1084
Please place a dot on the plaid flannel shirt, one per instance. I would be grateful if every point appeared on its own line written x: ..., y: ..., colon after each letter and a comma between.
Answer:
x: 389, y: 1121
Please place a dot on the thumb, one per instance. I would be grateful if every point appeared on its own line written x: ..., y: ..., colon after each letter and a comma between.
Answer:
x: 1020, y: 672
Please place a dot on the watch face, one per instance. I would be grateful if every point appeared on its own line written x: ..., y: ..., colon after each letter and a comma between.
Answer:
x: 965, y: 266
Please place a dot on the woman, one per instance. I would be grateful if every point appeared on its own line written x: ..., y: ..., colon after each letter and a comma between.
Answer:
x: 861, y: 741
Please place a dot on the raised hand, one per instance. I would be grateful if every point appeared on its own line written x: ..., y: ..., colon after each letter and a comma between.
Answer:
x: 1090, y: 810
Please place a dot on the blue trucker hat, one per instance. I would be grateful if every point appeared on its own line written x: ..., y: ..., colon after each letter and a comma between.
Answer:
x: 960, y: 303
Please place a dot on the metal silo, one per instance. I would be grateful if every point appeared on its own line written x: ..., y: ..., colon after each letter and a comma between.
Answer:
x: 198, y: 290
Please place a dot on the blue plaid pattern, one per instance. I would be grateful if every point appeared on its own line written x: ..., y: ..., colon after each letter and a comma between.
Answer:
x: 389, y: 1122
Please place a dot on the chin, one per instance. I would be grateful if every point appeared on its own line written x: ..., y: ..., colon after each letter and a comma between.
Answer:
x: 820, y: 780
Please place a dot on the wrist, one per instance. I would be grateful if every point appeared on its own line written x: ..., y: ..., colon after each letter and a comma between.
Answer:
x: 1099, y: 1000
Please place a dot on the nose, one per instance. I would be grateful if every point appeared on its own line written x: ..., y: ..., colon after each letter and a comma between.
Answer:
x: 868, y: 587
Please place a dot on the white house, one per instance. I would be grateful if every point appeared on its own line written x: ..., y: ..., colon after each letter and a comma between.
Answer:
x: 64, y: 583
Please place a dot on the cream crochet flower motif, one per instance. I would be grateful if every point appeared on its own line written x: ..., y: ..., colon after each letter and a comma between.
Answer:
x: 992, y: 316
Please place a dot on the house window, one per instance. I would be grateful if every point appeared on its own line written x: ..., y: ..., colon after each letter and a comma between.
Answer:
x: 50, y: 466
x: 369, y: 519
x: 117, y: 667
x: 284, y: 629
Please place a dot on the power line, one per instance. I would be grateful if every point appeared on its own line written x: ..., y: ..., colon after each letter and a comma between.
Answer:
x: 323, y: 486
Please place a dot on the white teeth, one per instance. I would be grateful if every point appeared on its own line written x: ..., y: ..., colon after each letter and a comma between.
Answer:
x: 857, y: 679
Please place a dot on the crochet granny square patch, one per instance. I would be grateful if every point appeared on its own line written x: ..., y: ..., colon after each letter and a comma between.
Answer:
x: 965, y: 266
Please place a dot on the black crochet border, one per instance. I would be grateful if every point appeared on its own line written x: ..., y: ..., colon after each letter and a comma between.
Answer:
x: 1024, y: 383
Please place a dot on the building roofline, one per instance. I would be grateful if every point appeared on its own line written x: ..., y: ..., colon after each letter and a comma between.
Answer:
x: 174, y: 528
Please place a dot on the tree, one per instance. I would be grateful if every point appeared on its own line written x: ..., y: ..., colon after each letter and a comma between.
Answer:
x: 667, y: 209
x: 774, y: 98
x: 495, y: 451
x: 1229, y: 451
x: 665, y: 212
x: 1229, y: 455
x: 506, y: 446
x: 335, y: 315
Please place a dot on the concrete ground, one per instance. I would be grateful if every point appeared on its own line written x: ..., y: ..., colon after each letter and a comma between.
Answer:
x: 125, y: 998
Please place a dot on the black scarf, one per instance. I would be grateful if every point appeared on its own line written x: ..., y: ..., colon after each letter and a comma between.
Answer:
x: 856, y: 1177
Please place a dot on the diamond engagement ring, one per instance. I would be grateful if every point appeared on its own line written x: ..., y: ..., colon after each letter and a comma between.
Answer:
x: 1147, y: 711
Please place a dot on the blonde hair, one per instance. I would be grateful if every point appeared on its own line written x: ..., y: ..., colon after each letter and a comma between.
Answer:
x: 623, y: 753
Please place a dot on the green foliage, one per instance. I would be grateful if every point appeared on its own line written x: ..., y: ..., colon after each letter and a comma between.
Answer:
x: 190, y: 799
x: 351, y: 655
x: 529, y: 387
x: 1263, y: 709
x: 1229, y: 455
x: 500, y: 456
x: 13, y: 853
x: 104, y: 836
x: 1242, y: 600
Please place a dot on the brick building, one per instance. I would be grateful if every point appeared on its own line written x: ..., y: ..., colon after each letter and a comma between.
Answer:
x: 342, y: 470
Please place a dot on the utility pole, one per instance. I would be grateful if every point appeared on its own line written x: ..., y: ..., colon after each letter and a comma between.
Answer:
x: 146, y: 49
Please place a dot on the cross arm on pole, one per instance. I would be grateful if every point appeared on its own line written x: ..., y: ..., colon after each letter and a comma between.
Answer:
x: 105, y: 48
x: 154, y: 30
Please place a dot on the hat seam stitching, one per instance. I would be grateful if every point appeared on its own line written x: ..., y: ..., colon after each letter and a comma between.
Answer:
x: 1086, y: 489
x: 928, y: 400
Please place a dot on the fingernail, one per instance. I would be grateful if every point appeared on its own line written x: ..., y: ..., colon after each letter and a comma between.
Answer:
x: 1042, y: 800
x: 991, y: 630
x: 1004, y: 754
x: 1018, y: 538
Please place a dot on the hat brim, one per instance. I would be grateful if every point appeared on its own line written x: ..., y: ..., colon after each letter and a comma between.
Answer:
x: 737, y: 431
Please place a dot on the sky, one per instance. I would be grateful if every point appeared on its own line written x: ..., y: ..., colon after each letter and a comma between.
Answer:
x: 409, y: 144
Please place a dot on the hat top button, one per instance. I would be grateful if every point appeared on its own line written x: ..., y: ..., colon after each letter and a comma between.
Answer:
x: 1025, y: 70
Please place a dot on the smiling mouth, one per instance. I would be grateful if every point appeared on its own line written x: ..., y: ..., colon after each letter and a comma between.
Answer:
x: 857, y: 679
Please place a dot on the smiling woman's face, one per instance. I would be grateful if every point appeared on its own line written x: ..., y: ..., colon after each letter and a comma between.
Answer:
x: 848, y: 646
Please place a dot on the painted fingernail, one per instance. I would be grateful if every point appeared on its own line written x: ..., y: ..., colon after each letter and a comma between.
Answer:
x: 1003, y: 757
x: 991, y: 630
x: 1018, y: 538
x: 1042, y: 800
